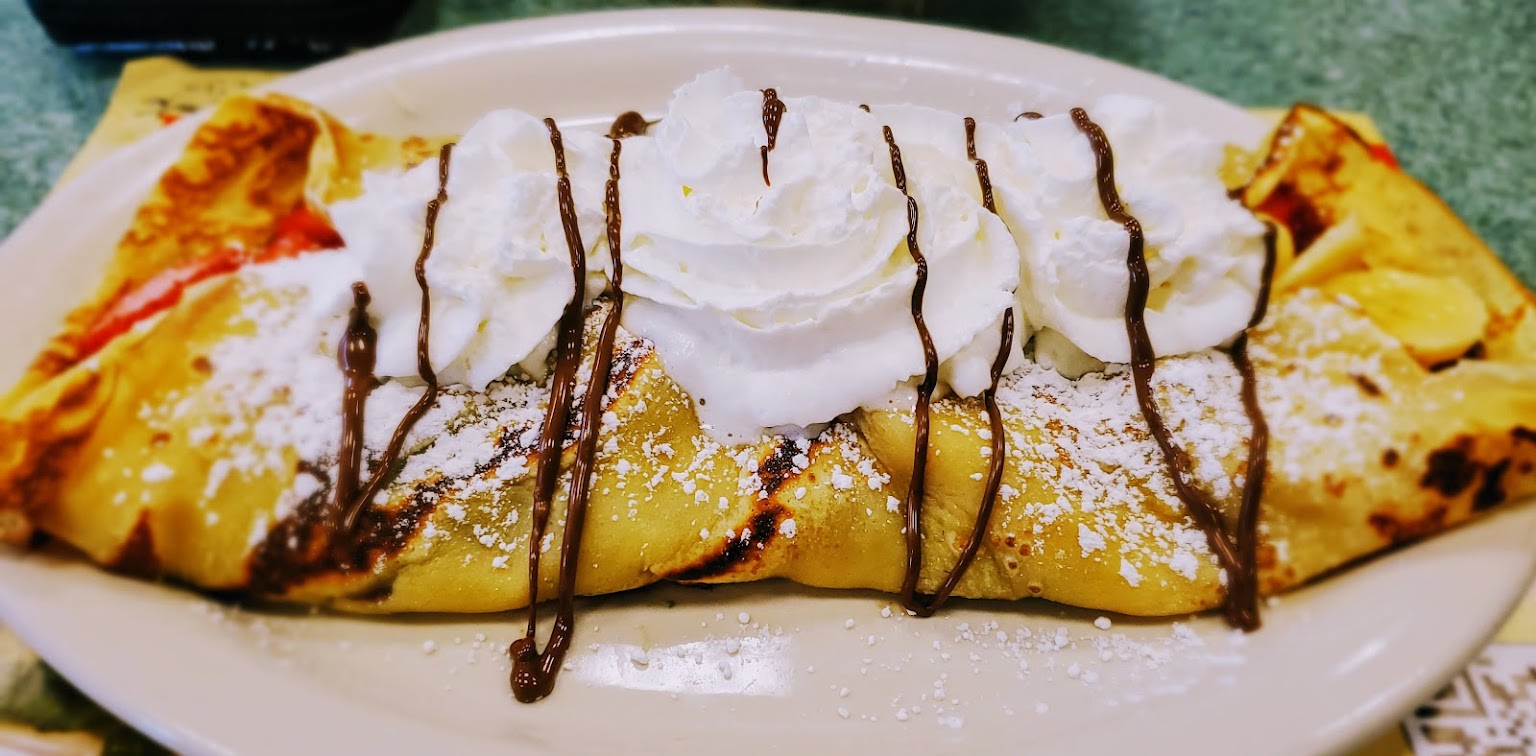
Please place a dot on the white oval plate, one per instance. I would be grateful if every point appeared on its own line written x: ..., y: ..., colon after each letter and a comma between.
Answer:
x: 675, y: 669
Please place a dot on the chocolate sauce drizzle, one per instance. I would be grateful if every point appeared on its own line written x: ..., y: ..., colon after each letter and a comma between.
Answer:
x: 533, y: 672
x: 1241, y: 603
x: 995, y: 463
x: 1028, y: 115
x: 356, y: 357
x: 773, y: 113
x: 999, y: 444
x: 982, y: 176
x: 913, y: 511
x: 628, y: 124
x: 1242, y: 595
x: 359, y: 344
x: 925, y: 606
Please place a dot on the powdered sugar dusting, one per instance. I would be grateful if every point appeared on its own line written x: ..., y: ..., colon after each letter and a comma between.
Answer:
x: 274, y: 392
x: 1308, y: 407
x: 1085, y: 443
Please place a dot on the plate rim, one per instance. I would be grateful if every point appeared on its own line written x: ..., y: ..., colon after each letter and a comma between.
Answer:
x: 161, y: 148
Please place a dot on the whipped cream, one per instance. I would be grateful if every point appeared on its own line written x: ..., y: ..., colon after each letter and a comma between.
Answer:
x: 1205, y: 252
x: 789, y: 304
x: 499, y: 273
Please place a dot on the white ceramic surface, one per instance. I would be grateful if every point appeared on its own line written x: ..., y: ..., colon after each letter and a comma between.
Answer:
x: 674, y: 669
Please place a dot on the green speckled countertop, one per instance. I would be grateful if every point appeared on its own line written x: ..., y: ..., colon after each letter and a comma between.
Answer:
x: 1452, y: 84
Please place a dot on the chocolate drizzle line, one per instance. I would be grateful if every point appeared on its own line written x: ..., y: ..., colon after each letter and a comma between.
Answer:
x: 1243, y: 590
x: 995, y: 465
x: 352, y: 425
x: 773, y: 113
x: 925, y: 606
x: 999, y: 444
x: 629, y: 123
x: 913, y: 512
x: 1028, y: 115
x: 982, y: 175
x: 533, y: 672
x: 1202, y: 507
x: 356, y: 357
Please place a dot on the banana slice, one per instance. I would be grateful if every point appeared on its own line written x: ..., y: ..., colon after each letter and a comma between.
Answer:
x: 1285, y: 245
x: 1238, y: 166
x: 1437, y: 319
x: 1338, y: 250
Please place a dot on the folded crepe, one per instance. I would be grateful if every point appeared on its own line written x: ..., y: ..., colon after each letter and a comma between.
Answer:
x: 1396, y: 368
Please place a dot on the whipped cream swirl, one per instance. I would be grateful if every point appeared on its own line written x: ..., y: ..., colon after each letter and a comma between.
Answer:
x: 1205, y: 252
x: 789, y: 304
x: 499, y: 273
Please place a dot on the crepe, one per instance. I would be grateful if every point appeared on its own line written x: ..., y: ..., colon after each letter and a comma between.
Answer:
x: 178, y: 449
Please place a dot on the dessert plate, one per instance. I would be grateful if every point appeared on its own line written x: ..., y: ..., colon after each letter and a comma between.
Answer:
x: 746, y: 668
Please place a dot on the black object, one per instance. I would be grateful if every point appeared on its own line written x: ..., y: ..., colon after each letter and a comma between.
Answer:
x: 224, y: 28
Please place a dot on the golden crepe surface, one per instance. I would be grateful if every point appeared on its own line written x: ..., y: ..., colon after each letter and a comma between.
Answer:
x: 184, y: 449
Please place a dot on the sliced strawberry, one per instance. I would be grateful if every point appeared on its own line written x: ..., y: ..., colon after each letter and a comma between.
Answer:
x: 156, y: 294
x: 298, y: 232
x: 1383, y: 154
